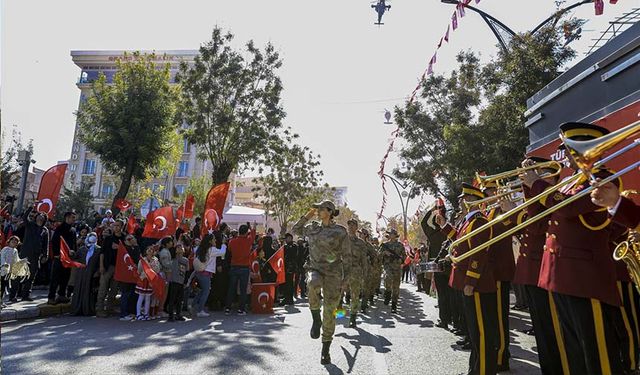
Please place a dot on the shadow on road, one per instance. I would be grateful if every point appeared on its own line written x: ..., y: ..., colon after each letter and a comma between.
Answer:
x: 73, y: 339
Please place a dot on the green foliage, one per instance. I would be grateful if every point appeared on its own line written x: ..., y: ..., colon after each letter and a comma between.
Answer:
x: 473, y: 120
x: 10, y: 171
x: 198, y: 187
x: 231, y: 102
x: 301, y: 206
x: 78, y: 200
x: 293, y: 173
x: 132, y: 124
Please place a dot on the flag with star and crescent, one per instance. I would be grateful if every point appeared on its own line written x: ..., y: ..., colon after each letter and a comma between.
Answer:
x: 160, y: 223
x: 126, y: 270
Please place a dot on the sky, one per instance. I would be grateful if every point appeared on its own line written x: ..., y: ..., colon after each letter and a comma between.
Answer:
x: 340, y: 71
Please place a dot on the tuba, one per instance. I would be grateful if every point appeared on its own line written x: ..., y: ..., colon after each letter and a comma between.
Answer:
x: 629, y: 251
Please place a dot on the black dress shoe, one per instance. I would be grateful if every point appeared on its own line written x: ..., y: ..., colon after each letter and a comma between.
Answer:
x: 466, y: 346
x: 462, y: 342
x: 442, y: 325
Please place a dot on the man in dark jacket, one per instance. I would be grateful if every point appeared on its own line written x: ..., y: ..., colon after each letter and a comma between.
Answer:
x: 59, y: 274
x: 35, y: 248
x: 432, y: 230
x: 290, y: 268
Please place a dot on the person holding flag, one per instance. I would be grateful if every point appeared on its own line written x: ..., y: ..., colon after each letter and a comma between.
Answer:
x: 239, y: 250
x: 59, y: 274
x: 126, y: 275
x: 328, y: 269
x: 144, y: 289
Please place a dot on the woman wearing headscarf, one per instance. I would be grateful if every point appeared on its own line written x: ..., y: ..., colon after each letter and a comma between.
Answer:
x: 87, y: 279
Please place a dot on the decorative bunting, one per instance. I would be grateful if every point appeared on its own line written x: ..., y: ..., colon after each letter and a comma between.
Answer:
x: 599, y: 5
x: 454, y: 21
x: 446, y: 35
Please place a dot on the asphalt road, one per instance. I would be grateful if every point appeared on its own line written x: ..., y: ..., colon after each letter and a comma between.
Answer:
x: 252, y: 344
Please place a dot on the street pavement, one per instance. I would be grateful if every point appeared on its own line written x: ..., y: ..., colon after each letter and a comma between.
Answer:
x: 407, y: 343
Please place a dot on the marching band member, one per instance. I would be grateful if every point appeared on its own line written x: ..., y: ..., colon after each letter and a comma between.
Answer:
x: 578, y: 269
x: 474, y: 276
x: 552, y: 355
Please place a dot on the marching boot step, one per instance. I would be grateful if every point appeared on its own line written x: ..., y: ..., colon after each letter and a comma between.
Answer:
x: 317, y: 324
x: 352, y: 320
x: 325, y: 357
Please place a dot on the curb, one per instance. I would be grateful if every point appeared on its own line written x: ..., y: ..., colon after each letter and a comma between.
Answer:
x: 40, y: 311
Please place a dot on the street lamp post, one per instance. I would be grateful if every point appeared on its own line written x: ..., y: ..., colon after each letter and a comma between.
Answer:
x: 499, y: 29
x: 24, y: 160
x: 403, y: 194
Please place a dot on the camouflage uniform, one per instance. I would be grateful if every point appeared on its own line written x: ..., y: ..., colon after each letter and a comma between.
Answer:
x: 328, y: 266
x: 376, y: 273
x: 393, y: 255
x: 359, y: 269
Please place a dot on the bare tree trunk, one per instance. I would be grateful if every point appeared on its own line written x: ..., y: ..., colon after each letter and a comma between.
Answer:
x: 124, y: 187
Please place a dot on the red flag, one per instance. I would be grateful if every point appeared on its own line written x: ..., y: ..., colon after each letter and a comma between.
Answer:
x: 454, y: 20
x: 255, y: 267
x: 599, y: 4
x: 277, y: 263
x: 49, y: 191
x: 262, y: 297
x: 122, y: 204
x: 126, y: 270
x: 185, y: 211
x: 160, y: 223
x: 157, y: 283
x: 213, y: 208
x: 132, y: 224
x: 64, y: 256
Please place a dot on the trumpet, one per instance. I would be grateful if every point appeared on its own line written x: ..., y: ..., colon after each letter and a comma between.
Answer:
x: 499, y: 178
x: 587, y: 158
x: 495, y: 199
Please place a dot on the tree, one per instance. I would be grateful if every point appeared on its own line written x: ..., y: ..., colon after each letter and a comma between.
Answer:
x: 78, y: 200
x: 292, y: 174
x: 132, y: 124
x: 198, y: 187
x: 232, y: 105
x: 300, y: 207
x: 473, y: 120
x: 10, y: 171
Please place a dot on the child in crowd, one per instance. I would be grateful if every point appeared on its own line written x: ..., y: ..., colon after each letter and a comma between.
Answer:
x: 8, y: 257
x: 155, y: 302
x: 143, y: 288
x: 179, y: 267
x: 165, y: 257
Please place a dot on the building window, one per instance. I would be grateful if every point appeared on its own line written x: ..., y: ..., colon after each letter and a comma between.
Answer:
x: 180, y: 189
x: 186, y: 146
x: 183, y: 167
x: 89, y: 167
x: 107, y: 190
x: 73, y: 167
x: 155, y: 187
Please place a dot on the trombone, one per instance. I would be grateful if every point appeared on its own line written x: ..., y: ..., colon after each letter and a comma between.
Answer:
x: 629, y: 251
x: 494, y: 200
x: 585, y: 153
x: 499, y: 178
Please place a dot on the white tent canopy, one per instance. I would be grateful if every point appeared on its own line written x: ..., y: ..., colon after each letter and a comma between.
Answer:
x: 241, y: 215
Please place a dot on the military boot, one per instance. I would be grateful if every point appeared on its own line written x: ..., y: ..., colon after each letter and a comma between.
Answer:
x: 317, y: 324
x: 371, y: 301
x: 352, y: 320
x: 347, y: 298
x: 325, y: 358
x: 365, y: 304
x: 387, y: 297
x: 394, y: 306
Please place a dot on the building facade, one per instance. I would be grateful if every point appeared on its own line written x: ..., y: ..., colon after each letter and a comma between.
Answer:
x: 85, y: 167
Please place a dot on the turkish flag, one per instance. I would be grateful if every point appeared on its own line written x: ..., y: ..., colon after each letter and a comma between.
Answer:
x: 160, y: 223
x: 122, y: 204
x: 64, y: 256
x: 157, y: 283
x: 132, y: 224
x: 49, y: 191
x: 185, y: 211
x: 255, y: 267
x: 262, y: 297
x: 126, y: 270
x: 213, y: 208
x: 277, y: 263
